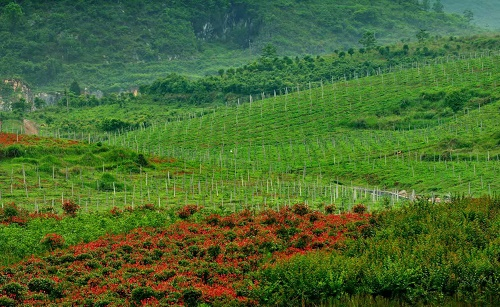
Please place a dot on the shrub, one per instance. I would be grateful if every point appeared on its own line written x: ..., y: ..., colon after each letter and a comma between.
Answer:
x: 141, y: 160
x: 41, y: 285
x: 147, y: 207
x: 213, y: 251
x: 14, y: 290
x: 115, y: 211
x: 186, y: 211
x: 13, y: 214
x: 300, y: 209
x: 359, y: 209
x: 213, y: 219
x: 7, y: 302
x: 164, y: 275
x: 330, y: 209
x: 142, y: 293
x: 191, y: 297
x: 70, y: 208
x: 52, y: 241
x: 10, y: 210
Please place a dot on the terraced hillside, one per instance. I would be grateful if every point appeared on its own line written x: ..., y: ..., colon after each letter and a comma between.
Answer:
x: 427, y: 130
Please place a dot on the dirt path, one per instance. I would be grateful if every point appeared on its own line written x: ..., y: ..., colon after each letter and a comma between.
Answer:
x: 30, y: 127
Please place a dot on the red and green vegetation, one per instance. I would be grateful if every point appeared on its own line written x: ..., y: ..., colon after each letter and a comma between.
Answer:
x: 222, y: 225
x: 423, y: 253
x: 211, y: 260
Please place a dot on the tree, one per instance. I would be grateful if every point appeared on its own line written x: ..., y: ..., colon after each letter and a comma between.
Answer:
x: 368, y: 40
x: 39, y: 103
x: 269, y: 51
x: 350, y: 51
x: 438, y: 7
x: 13, y: 12
x: 75, y: 88
x: 468, y: 15
x: 422, y: 35
x: 20, y: 106
x: 406, y: 49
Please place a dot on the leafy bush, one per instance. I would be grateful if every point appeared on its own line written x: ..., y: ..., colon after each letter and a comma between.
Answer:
x: 330, y: 209
x: 14, y: 290
x: 191, y: 297
x: 7, y: 302
x: 456, y: 100
x: 41, y: 285
x: 359, y: 209
x: 142, y: 293
x: 188, y: 210
x: 300, y: 209
x: 70, y: 208
x: 52, y: 241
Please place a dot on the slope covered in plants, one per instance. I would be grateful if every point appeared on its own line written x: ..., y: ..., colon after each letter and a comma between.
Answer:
x: 422, y: 253
x: 187, y: 263
x: 115, y: 45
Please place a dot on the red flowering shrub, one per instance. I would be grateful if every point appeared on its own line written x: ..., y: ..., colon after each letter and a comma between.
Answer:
x: 52, y: 241
x: 147, y: 207
x: 11, y: 213
x: 70, y: 208
x: 115, y: 211
x: 300, y: 209
x: 359, y: 209
x: 330, y: 209
x: 187, y: 263
x: 186, y: 211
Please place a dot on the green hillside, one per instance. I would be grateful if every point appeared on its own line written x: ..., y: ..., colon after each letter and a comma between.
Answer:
x: 116, y: 45
x: 429, y: 128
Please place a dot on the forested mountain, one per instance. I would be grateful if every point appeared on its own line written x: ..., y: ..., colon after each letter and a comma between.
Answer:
x: 115, y: 44
x: 484, y: 12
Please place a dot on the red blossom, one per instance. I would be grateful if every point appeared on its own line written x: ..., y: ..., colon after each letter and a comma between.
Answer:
x: 214, y: 257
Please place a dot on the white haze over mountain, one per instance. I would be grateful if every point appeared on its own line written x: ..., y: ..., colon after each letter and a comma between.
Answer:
x: 486, y: 12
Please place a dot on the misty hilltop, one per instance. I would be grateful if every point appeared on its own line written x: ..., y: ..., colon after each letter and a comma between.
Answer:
x: 46, y: 42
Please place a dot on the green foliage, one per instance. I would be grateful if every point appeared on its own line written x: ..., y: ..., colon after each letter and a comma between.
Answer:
x: 421, y: 254
x: 41, y: 285
x: 191, y: 297
x: 14, y: 290
x: 70, y: 208
x: 113, y: 124
x: 52, y: 241
x: 74, y: 88
x: 368, y: 40
x: 438, y: 7
x: 7, y: 302
x: 17, y: 243
x: 142, y: 293
x: 108, y: 182
x: 422, y: 35
x: 13, y: 13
